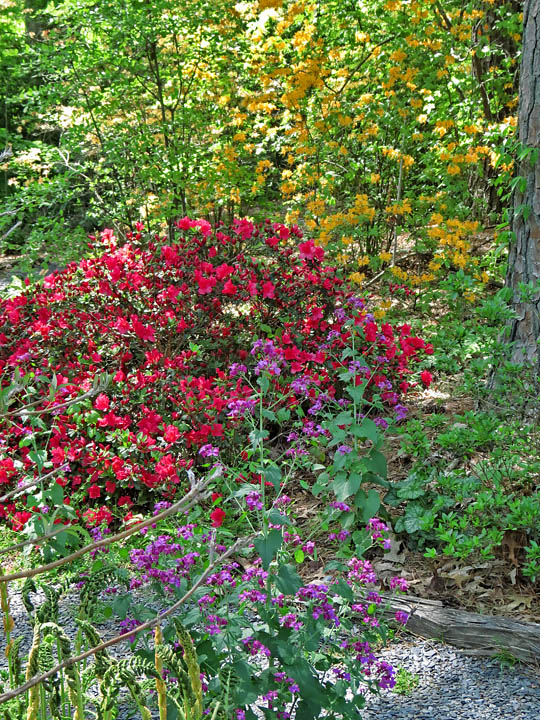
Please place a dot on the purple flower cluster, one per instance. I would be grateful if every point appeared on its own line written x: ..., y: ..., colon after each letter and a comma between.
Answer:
x: 340, y: 506
x: 341, y: 536
x: 291, y: 621
x: 321, y: 603
x: 253, y: 501
x: 209, y: 451
x: 272, y: 357
x: 214, y: 624
x: 239, y: 408
x: 148, y: 558
x: 237, y: 369
x: 254, y: 647
x: 361, y: 571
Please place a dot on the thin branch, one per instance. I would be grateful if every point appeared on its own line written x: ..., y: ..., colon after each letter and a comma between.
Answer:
x: 35, y: 482
x: 33, y: 541
x: 193, y: 496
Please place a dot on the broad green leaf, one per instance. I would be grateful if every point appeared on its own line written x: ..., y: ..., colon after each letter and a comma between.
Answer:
x: 268, y: 546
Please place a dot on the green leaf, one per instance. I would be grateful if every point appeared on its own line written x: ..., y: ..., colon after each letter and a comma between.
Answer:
x: 276, y: 518
x: 57, y: 494
x: 299, y: 555
x: 344, y: 485
x: 39, y: 457
x: 366, y: 429
x: 268, y: 546
x: 272, y: 474
x: 376, y: 463
x: 288, y: 580
x: 412, y: 522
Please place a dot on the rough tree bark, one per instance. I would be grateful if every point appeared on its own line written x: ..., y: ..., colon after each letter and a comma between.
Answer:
x: 524, y: 257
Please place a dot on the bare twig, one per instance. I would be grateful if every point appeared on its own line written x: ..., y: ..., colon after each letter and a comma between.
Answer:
x: 193, y: 496
x: 32, y: 484
x: 33, y: 541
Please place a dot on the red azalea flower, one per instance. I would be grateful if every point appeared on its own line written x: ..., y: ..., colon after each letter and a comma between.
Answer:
x: 426, y: 377
x: 268, y: 290
x: 171, y: 434
x: 102, y: 402
x: 94, y: 491
x: 230, y: 288
x: 217, y: 516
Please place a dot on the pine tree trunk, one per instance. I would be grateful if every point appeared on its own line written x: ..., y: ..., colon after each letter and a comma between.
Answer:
x: 524, y: 257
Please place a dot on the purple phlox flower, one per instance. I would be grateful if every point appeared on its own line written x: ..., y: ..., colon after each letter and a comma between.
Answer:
x: 309, y: 547
x: 267, y: 364
x: 381, y: 423
x: 373, y: 597
x: 161, y: 505
x: 240, y: 714
x: 186, y: 531
x: 391, y: 398
x: 254, y: 647
x: 384, y: 384
x: 340, y: 506
x: 356, y: 302
x: 357, y: 366
x: 312, y: 429
x: 296, y: 451
x: 254, y: 596
x: 239, y: 408
x: 207, y: 600
x: 401, y: 412
x: 340, y: 314
x: 341, y: 536
x: 128, y: 624
x: 255, y: 573
x: 387, y: 676
x: 376, y: 527
x: 292, y: 436
x: 332, y: 335
x: 224, y: 576
x: 401, y: 617
x: 270, y: 696
x: 283, y: 500
x: 236, y: 369
x: 344, y: 449
x: 343, y: 402
x: 253, y: 501
x: 399, y: 583
x: 318, y: 404
x: 341, y: 674
x: 291, y: 621
x: 294, y: 540
x: 209, y: 451
x: 301, y: 384
x: 214, y: 624
x: 361, y: 571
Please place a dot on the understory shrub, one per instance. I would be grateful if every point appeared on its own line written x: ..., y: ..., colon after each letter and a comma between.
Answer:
x: 120, y: 372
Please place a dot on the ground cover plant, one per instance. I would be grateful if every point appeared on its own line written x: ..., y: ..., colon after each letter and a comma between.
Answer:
x: 158, y: 364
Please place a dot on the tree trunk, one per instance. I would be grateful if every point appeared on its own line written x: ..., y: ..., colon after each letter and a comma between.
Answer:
x: 524, y: 257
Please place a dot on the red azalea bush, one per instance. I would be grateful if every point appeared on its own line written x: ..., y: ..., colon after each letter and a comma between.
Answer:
x: 167, y: 325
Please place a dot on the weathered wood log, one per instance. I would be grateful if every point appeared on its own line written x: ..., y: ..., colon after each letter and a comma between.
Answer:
x: 477, y: 634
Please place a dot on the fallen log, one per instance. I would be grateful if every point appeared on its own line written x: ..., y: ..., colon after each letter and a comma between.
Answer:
x: 477, y: 634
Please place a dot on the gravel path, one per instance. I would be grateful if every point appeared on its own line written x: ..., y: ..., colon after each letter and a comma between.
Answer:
x: 451, y: 685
